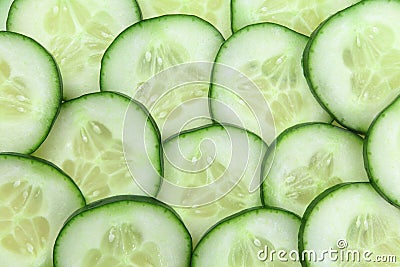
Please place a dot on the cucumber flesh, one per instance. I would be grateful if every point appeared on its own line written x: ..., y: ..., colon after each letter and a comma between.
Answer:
x: 302, y: 16
x: 243, y: 239
x: 268, y: 92
x: 307, y: 159
x: 381, y: 154
x: 165, y: 63
x: 75, y: 32
x: 108, y: 144
x: 35, y: 200
x: 4, y: 8
x: 351, y: 62
x: 211, y: 172
x: 123, y: 231
x: 362, y: 227
x: 217, y: 12
x: 30, y: 93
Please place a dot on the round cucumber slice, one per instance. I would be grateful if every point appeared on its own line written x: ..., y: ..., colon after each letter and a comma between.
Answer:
x: 210, y: 173
x: 30, y: 93
x: 108, y: 144
x: 123, y: 231
x: 351, y: 60
x: 268, y: 93
x: 76, y: 32
x: 217, y: 12
x: 35, y: 200
x: 302, y: 16
x: 381, y: 154
x: 305, y: 160
x: 247, y: 239
x: 354, y: 223
x: 165, y: 63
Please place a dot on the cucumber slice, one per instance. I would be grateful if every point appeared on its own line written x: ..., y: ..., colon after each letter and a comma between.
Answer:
x: 210, y: 173
x: 123, y: 231
x: 302, y: 16
x: 381, y: 153
x: 4, y: 8
x: 217, y: 12
x: 267, y: 58
x: 351, y: 62
x: 165, y: 63
x: 353, y: 220
x: 76, y: 32
x: 30, y: 93
x: 35, y: 200
x: 307, y: 159
x: 108, y: 144
x: 246, y: 239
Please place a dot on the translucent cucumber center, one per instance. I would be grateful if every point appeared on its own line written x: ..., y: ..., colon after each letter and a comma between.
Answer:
x: 223, y: 195
x: 231, y: 202
x: 14, y: 99
x: 185, y: 6
x: 373, y: 233
x: 122, y: 245
x: 245, y: 250
x: 304, y: 183
x: 79, y: 37
x: 301, y: 15
x: 160, y: 56
x: 162, y: 92
x: 210, y: 10
x: 99, y: 164
x: 204, y: 169
x: 170, y: 105
x: 23, y: 231
x: 374, y: 63
x: 278, y: 78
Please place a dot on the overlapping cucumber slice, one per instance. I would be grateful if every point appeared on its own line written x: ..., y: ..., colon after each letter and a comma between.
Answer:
x: 217, y: 12
x: 381, y: 153
x: 123, y: 231
x: 351, y: 62
x: 30, y: 93
x: 356, y: 222
x: 165, y: 63
x: 76, y: 32
x: 268, y: 92
x: 210, y: 173
x: 35, y: 200
x: 247, y: 239
x: 307, y: 159
x: 302, y: 16
x: 108, y: 144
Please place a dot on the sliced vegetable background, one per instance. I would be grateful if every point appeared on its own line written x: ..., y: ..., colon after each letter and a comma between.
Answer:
x: 199, y: 133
